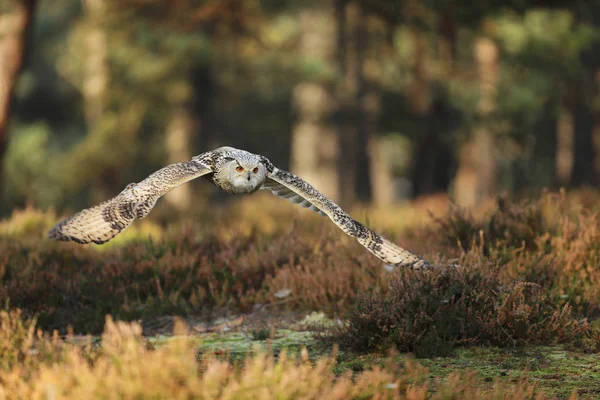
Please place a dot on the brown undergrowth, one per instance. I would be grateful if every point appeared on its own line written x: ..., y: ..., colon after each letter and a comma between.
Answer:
x: 530, y: 273
x: 189, y: 270
x: 34, y: 366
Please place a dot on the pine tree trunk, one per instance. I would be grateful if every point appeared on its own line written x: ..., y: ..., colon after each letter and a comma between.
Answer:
x: 16, y: 19
x: 345, y: 92
x: 380, y: 174
x: 178, y: 145
x: 367, y: 102
x: 360, y: 108
x: 546, y: 148
x: 565, y: 133
x: 583, y: 172
x: 315, y: 145
x: 94, y: 85
x: 432, y: 154
x: 96, y: 65
x: 586, y: 123
x: 425, y: 147
x: 476, y: 178
x: 346, y: 116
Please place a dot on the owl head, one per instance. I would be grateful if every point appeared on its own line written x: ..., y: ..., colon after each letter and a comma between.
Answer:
x: 244, y: 174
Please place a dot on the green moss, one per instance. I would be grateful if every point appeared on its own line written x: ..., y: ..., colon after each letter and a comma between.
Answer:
x: 240, y: 343
x: 557, y: 371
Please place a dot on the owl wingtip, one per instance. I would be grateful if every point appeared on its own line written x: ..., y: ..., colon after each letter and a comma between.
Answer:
x: 54, y: 233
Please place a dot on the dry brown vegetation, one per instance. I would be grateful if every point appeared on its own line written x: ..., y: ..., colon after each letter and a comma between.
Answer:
x: 529, y: 274
x: 35, y: 366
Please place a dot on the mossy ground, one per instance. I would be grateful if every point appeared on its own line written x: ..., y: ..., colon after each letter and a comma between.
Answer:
x: 558, y: 371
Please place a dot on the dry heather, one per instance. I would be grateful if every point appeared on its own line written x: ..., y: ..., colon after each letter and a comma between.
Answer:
x: 227, y: 260
x: 73, y: 285
x: 530, y: 274
x: 125, y: 366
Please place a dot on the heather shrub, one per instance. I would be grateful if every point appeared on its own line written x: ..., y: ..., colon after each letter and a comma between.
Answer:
x: 431, y: 313
x: 530, y: 271
x: 191, y: 273
x: 509, y: 225
x: 530, y: 274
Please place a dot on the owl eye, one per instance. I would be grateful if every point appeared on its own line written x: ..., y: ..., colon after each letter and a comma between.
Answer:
x: 239, y: 168
x: 255, y: 170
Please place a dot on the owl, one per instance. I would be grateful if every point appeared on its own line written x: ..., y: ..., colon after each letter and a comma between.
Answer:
x: 235, y: 172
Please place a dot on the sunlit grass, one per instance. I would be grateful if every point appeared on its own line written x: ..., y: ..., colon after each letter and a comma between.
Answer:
x: 126, y: 366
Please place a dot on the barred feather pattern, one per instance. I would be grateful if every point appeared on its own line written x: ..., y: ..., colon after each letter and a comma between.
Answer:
x: 103, y: 222
x: 287, y: 185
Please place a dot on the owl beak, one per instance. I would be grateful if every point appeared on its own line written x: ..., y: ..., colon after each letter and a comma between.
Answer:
x: 248, y: 176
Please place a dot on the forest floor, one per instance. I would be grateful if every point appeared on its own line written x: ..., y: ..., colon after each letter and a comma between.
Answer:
x: 558, y: 371
x: 285, y: 306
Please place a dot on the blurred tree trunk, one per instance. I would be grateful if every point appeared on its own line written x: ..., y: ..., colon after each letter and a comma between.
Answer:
x: 368, y: 103
x: 16, y: 18
x: 432, y: 155
x: 583, y: 172
x: 96, y: 67
x: 546, y: 148
x: 476, y: 176
x: 94, y: 85
x: 346, y: 118
x: 315, y: 148
x: 180, y: 130
x: 419, y: 93
x: 373, y: 173
x: 425, y: 147
x: 419, y: 89
x: 379, y: 170
x: 565, y: 133
x: 188, y: 127
x: 364, y: 175
x: 586, y: 123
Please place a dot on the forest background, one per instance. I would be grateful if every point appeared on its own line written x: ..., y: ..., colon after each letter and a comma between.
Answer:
x: 371, y: 101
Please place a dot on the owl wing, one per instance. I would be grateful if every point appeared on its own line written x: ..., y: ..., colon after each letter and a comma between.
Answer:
x: 101, y: 223
x: 287, y: 185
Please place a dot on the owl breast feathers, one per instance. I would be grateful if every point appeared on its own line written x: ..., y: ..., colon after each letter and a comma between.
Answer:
x: 234, y: 171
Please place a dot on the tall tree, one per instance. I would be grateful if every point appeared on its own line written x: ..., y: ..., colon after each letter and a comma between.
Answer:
x: 546, y: 150
x: 346, y: 90
x: 364, y: 175
x: 432, y: 153
x: 368, y: 106
x: 16, y: 20
x: 565, y: 133
x: 96, y: 74
x: 476, y: 178
x: 585, y: 125
x: 178, y: 135
x: 315, y: 143
x: 586, y: 156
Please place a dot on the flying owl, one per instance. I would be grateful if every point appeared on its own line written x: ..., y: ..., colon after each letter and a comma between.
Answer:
x: 235, y: 172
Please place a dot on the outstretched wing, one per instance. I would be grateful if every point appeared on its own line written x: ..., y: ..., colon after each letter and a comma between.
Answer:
x: 287, y: 185
x: 103, y: 222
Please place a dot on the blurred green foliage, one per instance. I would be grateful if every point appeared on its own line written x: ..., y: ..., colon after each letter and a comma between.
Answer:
x: 234, y: 65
